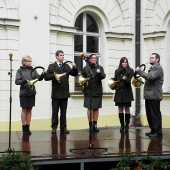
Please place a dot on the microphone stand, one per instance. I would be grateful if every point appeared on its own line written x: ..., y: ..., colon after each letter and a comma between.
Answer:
x: 91, y: 144
x: 10, y: 108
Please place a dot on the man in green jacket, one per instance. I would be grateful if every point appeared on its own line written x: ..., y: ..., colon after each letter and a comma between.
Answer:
x: 153, y: 95
x: 60, y: 91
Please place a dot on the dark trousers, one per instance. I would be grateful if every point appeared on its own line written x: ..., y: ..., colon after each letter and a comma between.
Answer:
x: 154, y: 115
x: 56, y: 104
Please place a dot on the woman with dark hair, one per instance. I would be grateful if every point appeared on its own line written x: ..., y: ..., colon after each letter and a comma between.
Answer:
x: 124, y: 94
x: 94, y: 89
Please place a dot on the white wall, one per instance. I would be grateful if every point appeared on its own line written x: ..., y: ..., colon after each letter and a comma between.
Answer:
x: 155, y: 38
x: 112, y: 16
x: 37, y: 37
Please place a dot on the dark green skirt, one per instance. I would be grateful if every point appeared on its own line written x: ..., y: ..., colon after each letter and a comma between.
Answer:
x: 95, y: 104
x: 27, y: 101
x: 128, y: 104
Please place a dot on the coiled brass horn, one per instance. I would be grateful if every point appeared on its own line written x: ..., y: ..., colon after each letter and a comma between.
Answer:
x: 113, y: 84
x: 59, y: 76
x: 32, y: 82
x: 82, y: 80
x: 138, y: 81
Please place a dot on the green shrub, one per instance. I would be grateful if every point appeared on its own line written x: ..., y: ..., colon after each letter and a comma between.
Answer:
x: 126, y: 162
x: 146, y: 163
x: 15, y: 161
x: 150, y: 163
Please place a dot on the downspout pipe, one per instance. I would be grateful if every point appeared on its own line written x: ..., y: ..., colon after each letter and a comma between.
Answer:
x: 137, y: 60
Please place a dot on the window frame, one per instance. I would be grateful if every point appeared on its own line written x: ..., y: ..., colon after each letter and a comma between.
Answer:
x: 85, y: 34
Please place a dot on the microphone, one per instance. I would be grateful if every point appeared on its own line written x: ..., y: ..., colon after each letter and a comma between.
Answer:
x: 82, y: 55
x: 10, y: 54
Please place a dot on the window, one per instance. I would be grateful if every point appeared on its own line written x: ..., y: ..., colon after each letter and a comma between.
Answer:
x: 87, y: 40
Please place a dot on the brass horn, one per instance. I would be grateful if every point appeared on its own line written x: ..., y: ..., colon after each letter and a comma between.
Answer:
x: 32, y: 82
x: 138, y: 81
x: 113, y: 84
x: 59, y: 76
x: 82, y: 80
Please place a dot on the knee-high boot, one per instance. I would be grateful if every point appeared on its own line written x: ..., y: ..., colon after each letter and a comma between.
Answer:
x: 127, y: 120
x: 121, y: 118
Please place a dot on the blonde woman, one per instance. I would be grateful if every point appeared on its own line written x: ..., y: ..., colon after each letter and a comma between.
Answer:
x: 27, y: 95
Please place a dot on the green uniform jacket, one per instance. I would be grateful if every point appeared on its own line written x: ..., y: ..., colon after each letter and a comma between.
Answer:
x: 94, y: 85
x: 22, y: 74
x: 124, y: 92
x: 154, y: 81
x: 59, y: 90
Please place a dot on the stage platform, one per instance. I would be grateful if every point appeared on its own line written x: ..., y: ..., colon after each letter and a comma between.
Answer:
x: 47, y: 149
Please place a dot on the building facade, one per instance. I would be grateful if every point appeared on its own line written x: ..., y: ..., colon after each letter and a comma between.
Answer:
x: 39, y: 28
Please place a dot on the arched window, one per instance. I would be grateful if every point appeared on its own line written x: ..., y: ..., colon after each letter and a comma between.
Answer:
x: 87, y: 40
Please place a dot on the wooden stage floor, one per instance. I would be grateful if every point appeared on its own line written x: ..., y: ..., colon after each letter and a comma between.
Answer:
x: 46, y: 147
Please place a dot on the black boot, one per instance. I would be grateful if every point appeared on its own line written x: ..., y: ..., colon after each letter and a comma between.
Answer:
x: 24, y: 130
x: 90, y: 127
x: 28, y: 129
x: 127, y: 119
x: 95, y: 126
x: 121, y: 118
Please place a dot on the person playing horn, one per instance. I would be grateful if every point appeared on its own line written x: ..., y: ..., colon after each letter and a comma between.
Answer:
x: 124, y: 95
x: 153, y: 94
x: 60, y: 91
x: 27, y: 95
x: 94, y: 89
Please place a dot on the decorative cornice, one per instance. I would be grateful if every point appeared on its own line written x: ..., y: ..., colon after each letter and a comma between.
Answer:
x: 58, y: 25
x: 62, y: 28
x: 9, y: 19
x: 119, y: 35
x: 9, y: 22
x: 154, y: 34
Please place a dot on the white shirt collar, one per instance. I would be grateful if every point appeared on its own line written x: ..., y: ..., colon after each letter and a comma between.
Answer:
x: 58, y: 63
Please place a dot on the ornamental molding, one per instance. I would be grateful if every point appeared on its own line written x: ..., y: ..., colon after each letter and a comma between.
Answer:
x: 116, y: 15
